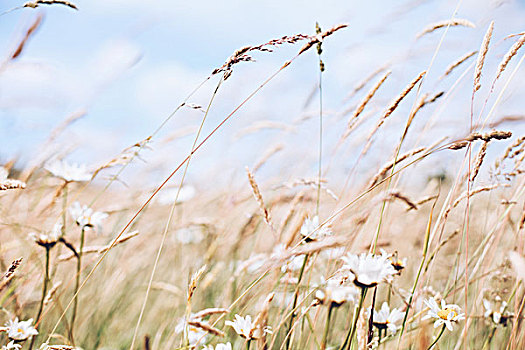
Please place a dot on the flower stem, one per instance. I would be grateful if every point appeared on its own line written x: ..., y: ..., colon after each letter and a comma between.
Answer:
x: 44, y: 292
x: 248, y: 344
x: 327, y: 327
x: 436, y: 340
x: 77, y: 282
x: 351, y: 332
x: 294, y: 305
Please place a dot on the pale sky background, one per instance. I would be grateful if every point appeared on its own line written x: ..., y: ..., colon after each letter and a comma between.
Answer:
x: 129, y: 63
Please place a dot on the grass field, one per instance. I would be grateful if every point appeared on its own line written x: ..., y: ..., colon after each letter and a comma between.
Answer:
x: 431, y: 238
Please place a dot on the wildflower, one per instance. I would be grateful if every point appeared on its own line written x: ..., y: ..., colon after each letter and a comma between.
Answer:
x: 221, y: 346
x: 11, y: 346
x: 498, y: 317
x: 68, y: 172
x: 336, y: 294
x: 386, y: 318
x: 368, y: 270
x: 444, y: 314
x: 20, y: 330
x: 311, y: 231
x: 48, y: 240
x: 86, y: 217
x: 246, y: 328
x: 397, y: 263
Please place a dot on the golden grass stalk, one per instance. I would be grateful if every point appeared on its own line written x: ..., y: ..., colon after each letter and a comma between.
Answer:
x: 392, y: 107
x: 476, y: 191
x: 456, y: 22
x: 319, y: 38
x: 14, y: 265
x: 367, y: 99
x: 207, y: 328
x: 457, y: 63
x: 481, y: 56
x: 479, y: 160
x: 511, y: 53
x: 438, y: 248
x: 384, y: 170
x: 51, y: 293
x: 365, y: 81
x: 32, y: 29
x: 37, y: 3
x: 194, y: 280
x: 258, y: 197
x: 210, y: 311
x: 396, y: 194
x: 275, y: 149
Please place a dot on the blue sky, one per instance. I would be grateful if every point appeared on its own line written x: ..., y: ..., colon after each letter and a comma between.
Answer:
x: 129, y: 63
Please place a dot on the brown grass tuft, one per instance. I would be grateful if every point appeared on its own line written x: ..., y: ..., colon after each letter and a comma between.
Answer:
x: 446, y: 23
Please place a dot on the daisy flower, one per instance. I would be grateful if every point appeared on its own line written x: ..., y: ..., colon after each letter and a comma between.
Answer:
x: 11, y: 346
x: 86, y: 217
x: 195, y: 334
x: 336, y: 294
x: 308, y: 229
x: 69, y: 172
x: 48, y: 240
x: 397, y: 263
x: 368, y: 270
x: 20, y: 330
x: 498, y: 317
x: 446, y: 314
x: 246, y: 328
x: 386, y: 318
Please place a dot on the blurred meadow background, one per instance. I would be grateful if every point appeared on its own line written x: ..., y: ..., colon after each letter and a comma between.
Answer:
x: 238, y: 175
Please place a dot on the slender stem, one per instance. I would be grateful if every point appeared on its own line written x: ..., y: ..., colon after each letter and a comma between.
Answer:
x: 327, y: 326
x: 77, y: 282
x: 296, y: 296
x: 44, y: 292
x: 64, y: 209
x: 320, y: 136
x: 248, y: 342
x: 351, y: 331
x: 436, y: 340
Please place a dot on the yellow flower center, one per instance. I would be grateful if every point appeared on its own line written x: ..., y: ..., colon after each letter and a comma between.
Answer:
x: 445, y: 312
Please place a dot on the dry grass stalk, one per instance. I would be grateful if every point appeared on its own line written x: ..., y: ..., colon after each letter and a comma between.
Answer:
x: 479, y: 160
x: 457, y: 63
x: 512, y: 52
x: 519, y: 142
x: 266, y: 156
x: 492, y: 135
x: 51, y: 293
x: 207, y: 328
x: 261, y: 320
x: 293, y: 207
x: 210, y: 311
x: 194, y: 280
x: 367, y: 99
x: 36, y: 3
x: 425, y: 200
x: 258, y: 197
x: 438, y: 248
x: 313, y: 183
x: 14, y: 265
x: 396, y: 194
x: 32, y: 29
x: 384, y: 170
x: 423, y: 101
x: 365, y: 81
x: 94, y: 249
x: 319, y: 37
x: 476, y: 191
x: 392, y: 107
x: 362, y: 331
x: 126, y: 156
x: 481, y: 56
x: 446, y: 23
x: 5, y: 282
